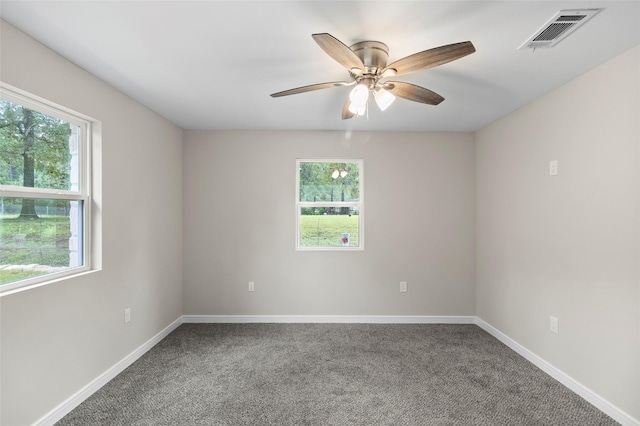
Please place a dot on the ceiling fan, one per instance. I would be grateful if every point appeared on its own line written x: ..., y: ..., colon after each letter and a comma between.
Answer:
x: 366, y: 62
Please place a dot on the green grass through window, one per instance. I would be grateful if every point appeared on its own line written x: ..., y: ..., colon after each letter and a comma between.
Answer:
x: 326, y: 230
x: 42, y: 241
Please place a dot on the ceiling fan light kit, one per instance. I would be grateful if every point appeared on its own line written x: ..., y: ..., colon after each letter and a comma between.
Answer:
x: 366, y: 62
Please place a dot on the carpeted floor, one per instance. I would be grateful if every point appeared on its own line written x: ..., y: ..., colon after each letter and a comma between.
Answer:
x: 333, y: 374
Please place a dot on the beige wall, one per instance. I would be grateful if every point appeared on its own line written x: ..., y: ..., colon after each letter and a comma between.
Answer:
x: 58, y: 338
x: 567, y: 245
x: 239, y: 194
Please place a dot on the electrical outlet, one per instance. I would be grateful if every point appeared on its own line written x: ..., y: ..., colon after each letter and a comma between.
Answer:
x: 252, y: 286
x: 403, y: 286
x: 553, y: 168
x: 553, y: 324
x: 127, y: 315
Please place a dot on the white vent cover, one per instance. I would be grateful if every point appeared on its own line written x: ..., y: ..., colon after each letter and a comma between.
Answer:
x: 559, y: 27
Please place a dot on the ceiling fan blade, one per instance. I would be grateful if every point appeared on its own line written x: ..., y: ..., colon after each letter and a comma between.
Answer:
x: 311, y: 88
x: 346, y: 114
x: 339, y: 51
x: 429, y: 58
x: 413, y: 93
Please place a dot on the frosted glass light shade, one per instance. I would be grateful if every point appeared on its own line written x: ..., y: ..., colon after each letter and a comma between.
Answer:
x: 358, y: 109
x: 359, y: 95
x: 383, y: 98
x: 339, y: 173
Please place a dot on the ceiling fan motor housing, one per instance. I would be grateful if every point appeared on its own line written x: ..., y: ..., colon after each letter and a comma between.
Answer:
x: 373, y: 54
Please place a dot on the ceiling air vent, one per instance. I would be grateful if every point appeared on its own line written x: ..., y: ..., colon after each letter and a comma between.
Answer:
x: 559, y: 27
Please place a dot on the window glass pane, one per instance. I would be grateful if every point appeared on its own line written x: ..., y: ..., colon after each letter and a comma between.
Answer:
x: 38, y: 237
x: 329, y: 182
x: 329, y: 227
x: 37, y: 150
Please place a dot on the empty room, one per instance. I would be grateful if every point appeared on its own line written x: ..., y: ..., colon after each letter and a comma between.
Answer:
x: 319, y: 213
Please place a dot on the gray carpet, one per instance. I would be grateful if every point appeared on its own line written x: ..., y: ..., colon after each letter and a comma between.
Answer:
x: 333, y: 374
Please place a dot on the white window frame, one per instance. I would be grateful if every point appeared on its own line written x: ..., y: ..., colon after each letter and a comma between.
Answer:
x: 88, y: 136
x: 337, y: 204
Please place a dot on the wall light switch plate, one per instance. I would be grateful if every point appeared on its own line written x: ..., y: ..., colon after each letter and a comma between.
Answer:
x: 403, y: 286
x: 252, y: 286
x: 553, y: 168
x: 127, y: 315
x: 553, y: 324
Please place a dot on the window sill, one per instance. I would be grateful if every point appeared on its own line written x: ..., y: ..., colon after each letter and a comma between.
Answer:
x: 17, y: 287
x: 329, y: 248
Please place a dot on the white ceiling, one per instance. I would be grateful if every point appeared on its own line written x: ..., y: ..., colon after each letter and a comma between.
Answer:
x: 213, y: 64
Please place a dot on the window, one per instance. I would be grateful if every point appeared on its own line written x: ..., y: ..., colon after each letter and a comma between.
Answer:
x: 329, y: 205
x: 44, y: 191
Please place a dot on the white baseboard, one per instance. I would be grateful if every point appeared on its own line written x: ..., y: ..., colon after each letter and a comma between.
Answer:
x: 65, y: 408
x: 577, y: 387
x: 326, y: 319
